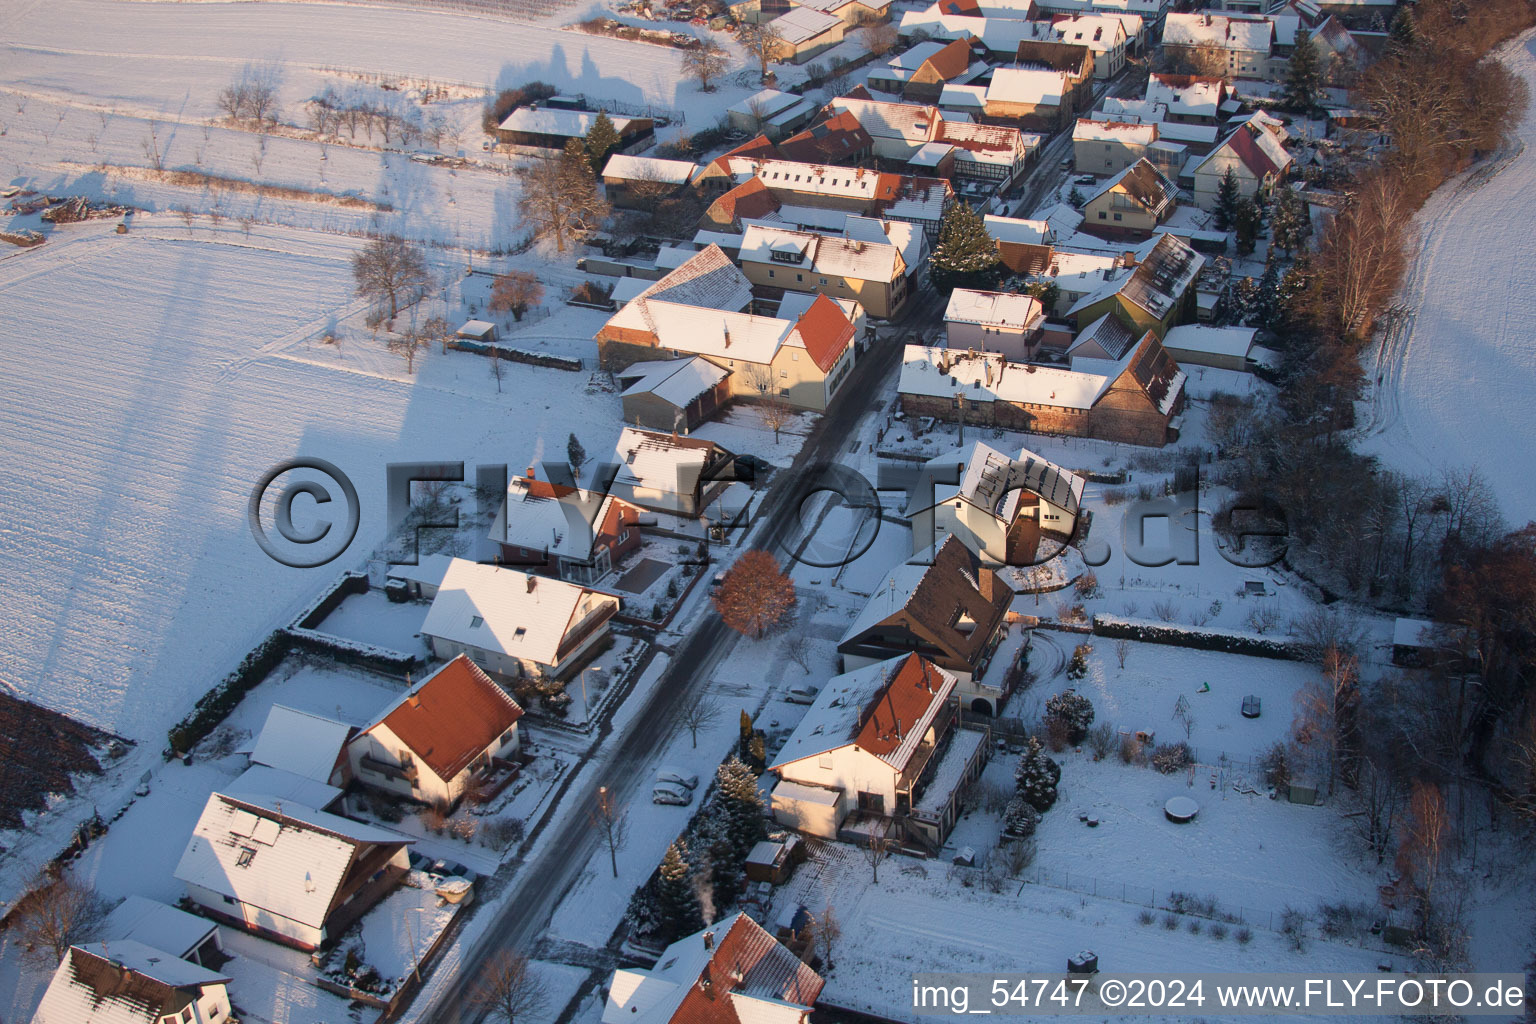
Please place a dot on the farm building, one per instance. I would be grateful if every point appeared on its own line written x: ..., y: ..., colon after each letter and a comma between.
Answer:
x: 550, y: 128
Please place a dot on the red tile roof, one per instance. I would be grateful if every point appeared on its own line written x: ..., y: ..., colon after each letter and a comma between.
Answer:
x: 834, y: 139
x: 450, y: 718
x: 826, y: 331
x: 1251, y: 153
x: 902, y: 703
x: 952, y: 60
x: 760, y: 146
x: 748, y: 200
x: 966, y: 7
x: 749, y: 962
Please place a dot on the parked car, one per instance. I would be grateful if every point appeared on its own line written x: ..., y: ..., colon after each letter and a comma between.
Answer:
x: 1085, y: 179
x: 802, y: 694
x: 677, y: 777
x: 671, y: 793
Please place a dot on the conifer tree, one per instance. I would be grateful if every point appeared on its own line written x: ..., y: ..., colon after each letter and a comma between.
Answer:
x: 966, y: 254
x: 1227, y: 196
x: 1247, y: 221
x: 1288, y: 220
x: 602, y: 139
x: 574, y: 452
x: 1266, y: 302
x: 1304, y: 75
x: 677, y: 902
x: 1037, y: 776
x: 740, y: 804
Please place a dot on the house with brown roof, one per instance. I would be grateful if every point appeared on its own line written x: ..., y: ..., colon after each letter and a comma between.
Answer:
x: 448, y: 729
x: 732, y: 972
x: 1073, y: 59
x: 919, y: 74
x: 920, y: 136
x: 751, y: 200
x: 839, y: 139
x: 1255, y: 154
x: 571, y: 533
x: 715, y: 177
x: 857, y: 190
x: 880, y: 751
x: 128, y: 982
x: 1132, y: 204
x: 1024, y: 245
x: 1154, y: 293
x: 703, y: 309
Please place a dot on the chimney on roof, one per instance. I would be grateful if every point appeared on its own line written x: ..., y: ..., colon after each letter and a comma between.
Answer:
x: 530, y: 474
x: 533, y: 581
x: 709, y: 940
x: 413, y: 699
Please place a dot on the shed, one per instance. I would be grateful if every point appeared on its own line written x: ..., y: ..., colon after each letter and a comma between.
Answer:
x: 482, y: 331
x: 769, y: 862
x: 1225, y: 348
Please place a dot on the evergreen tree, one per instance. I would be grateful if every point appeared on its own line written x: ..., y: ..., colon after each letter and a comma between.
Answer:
x: 1288, y: 220
x: 740, y: 804
x: 1070, y: 712
x: 1292, y: 296
x: 1048, y: 292
x: 1227, y: 197
x: 747, y: 732
x: 1401, y: 36
x: 1075, y: 197
x: 1241, y: 301
x: 574, y: 452
x: 1247, y: 222
x: 677, y: 902
x: 1036, y: 776
x: 602, y: 139
x: 1304, y: 75
x: 1266, y: 301
x: 966, y: 254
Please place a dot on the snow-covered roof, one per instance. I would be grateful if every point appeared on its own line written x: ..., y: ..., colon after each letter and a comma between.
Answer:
x: 499, y: 609
x: 676, y: 381
x: 914, y: 123
x: 1167, y: 267
x: 1027, y: 85
x: 121, y: 982
x: 1221, y: 341
x: 1098, y: 32
x: 429, y: 569
x: 766, y: 103
x: 1413, y: 633
x: 553, y: 121
x: 540, y: 515
x: 300, y: 742
x: 1018, y: 230
x: 963, y: 97
x: 949, y: 773
x: 802, y: 24
x: 795, y: 304
x: 649, y: 168
x: 653, y: 460
x: 885, y: 709
x: 1197, y: 134
x: 991, y: 480
x: 819, y: 179
x: 477, y: 329
x: 1110, y: 333
x: 828, y: 255
x: 994, y: 309
x: 1114, y: 131
x: 988, y: 378
x: 260, y: 780
x: 284, y: 858
x: 732, y: 971
x: 1226, y: 32
x: 1187, y: 95
x: 157, y: 924
x: 708, y: 280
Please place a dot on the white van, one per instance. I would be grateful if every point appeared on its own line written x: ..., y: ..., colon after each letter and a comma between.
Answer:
x: 677, y: 777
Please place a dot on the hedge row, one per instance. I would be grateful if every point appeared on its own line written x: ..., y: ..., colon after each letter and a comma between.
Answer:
x: 346, y: 585
x: 215, y: 705
x: 1229, y: 641
x: 352, y: 652
x: 517, y: 355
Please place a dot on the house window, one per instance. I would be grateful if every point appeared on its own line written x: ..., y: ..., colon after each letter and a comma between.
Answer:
x: 823, y: 281
x: 243, y: 858
x: 625, y: 536
x: 1118, y: 217
x: 475, y: 622
x: 230, y: 900
x: 794, y: 357
x: 770, y: 271
x: 785, y: 256
x: 784, y: 374
x: 1103, y: 215
x: 506, y: 737
x: 799, y: 277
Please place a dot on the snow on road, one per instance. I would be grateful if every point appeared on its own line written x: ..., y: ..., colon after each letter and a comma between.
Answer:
x: 1460, y: 384
x: 146, y: 389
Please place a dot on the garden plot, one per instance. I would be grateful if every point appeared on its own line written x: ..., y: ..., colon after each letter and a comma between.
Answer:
x: 371, y: 618
x: 271, y: 984
x: 741, y: 431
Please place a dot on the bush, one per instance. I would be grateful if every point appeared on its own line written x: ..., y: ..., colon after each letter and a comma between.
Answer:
x: 1020, y: 819
x: 1344, y: 920
x: 1218, y: 931
x: 1169, y: 758
x: 1170, y: 923
x: 501, y: 834
x: 1293, y: 925
x: 1146, y: 917
x: 1193, y: 926
x: 1087, y: 585
x: 1276, y: 765
x: 1188, y: 903
x: 1079, y: 664
x: 1130, y: 749
x: 1073, y: 711
x: 1243, y: 936
x: 1101, y: 740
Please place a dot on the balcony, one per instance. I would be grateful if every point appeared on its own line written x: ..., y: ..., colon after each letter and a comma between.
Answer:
x: 404, y: 773
x: 583, y: 630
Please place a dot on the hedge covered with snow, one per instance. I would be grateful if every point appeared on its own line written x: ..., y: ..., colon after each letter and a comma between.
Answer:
x: 1203, y: 638
x: 517, y: 355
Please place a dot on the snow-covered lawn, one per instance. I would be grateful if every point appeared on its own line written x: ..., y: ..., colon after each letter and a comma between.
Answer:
x: 372, y: 618
x: 1456, y: 386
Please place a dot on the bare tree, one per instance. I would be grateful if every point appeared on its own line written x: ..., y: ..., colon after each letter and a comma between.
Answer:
x: 1122, y: 651
x: 1263, y: 618
x: 514, y: 292
x: 508, y: 990
x: 611, y: 824
x: 497, y: 371
x: 437, y: 331
x: 409, y: 344
x: 705, y: 62
x: 879, y: 39
x: 154, y: 151
x: 797, y: 648
x: 776, y: 413
x: 825, y: 931
x: 54, y: 914
x: 763, y: 42
x: 560, y: 196
x: 697, y: 713
x: 390, y: 268
x: 1425, y: 849
x: 877, y: 848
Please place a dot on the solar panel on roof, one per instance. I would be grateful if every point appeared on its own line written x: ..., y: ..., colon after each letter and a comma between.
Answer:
x: 241, y: 822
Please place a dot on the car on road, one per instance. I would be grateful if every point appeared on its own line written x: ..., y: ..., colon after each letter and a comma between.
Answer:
x: 802, y: 694
x: 677, y: 777
x: 751, y: 469
x: 1085, y: 179
x: 671, y: 793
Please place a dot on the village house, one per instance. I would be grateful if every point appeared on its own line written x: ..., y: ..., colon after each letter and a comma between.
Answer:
x: 729, y: 212
x: 732, y: 972
x: 673, y: 394
x: 1023, y: 245
x: 839, y: 139
x: 880, y: 751
x: 571, y: 533
x: 1033, y: 99
x: 1132, y: 204
x: 128, y: 982
x: 304, y: 744
x: 1133, y: 400
x: 700, y: 309
x: 921, y: 137
x: 448, y: 730
x: 771, y: 113
x: 804, y: 32
x: 640, y: 182
x: 679, y: 476
x: 422, y: 579
x: 549, y: 128
x: 1239, y: 45
x: 1152, y: 295
x: 1254, y: 152
x: 1003, y: 322
x: 1226, y: 348
x: 1071, y: 59
x: 916, y: 200
x: 1188, y: 99
x: 854, y: 13
x: 872, y: 262
x: 919, y: 74
x: 1106, y: 35
x: 1000, y: 509
x: 715, y: 177
x: 1109, y: 147
x: 1107, y: 338
x: 513, y: 624
x: 291, y: 873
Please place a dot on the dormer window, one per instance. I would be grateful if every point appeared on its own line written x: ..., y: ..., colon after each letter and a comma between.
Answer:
x: 785, y: 256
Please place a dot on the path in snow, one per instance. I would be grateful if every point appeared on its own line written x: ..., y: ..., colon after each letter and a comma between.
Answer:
x: 1458, y: 382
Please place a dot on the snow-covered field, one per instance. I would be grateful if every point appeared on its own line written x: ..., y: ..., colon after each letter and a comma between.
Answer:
x: 140, y: 419
x: 1458, y: 385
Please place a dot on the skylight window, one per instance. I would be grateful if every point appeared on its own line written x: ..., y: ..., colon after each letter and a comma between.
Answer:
x: 475, y: 622
x: 243, y: 859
